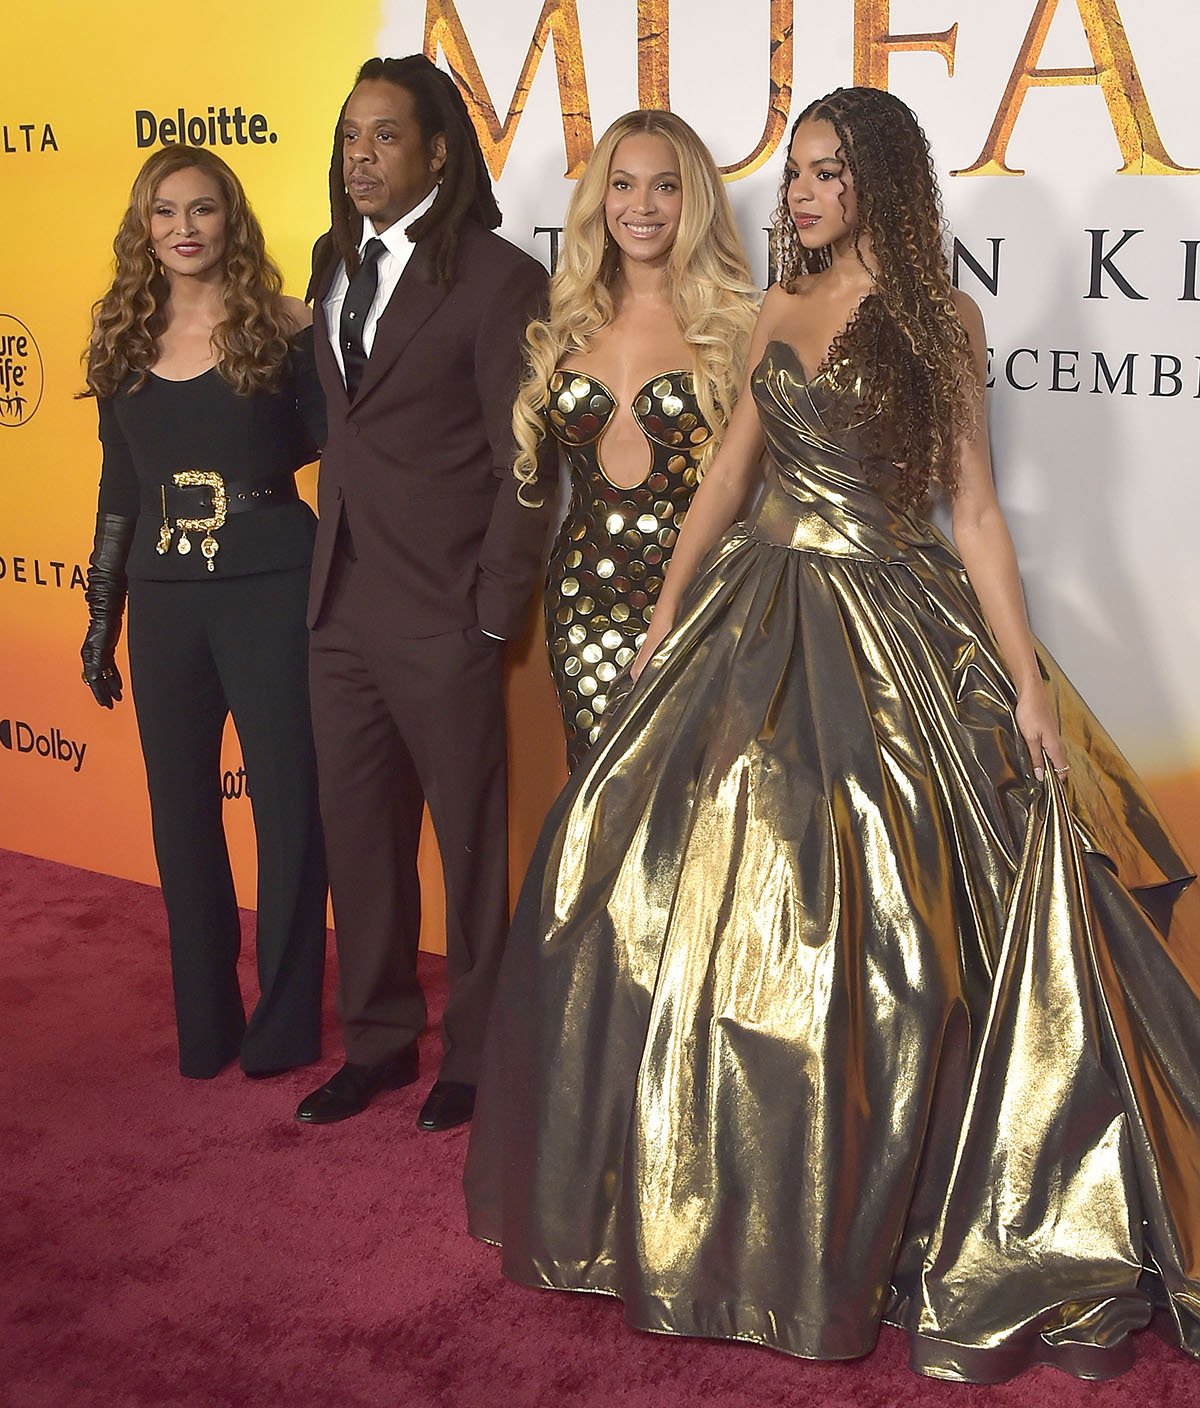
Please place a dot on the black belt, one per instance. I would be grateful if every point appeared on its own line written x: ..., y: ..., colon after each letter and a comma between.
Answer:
x: 241, y: 496
x: 200, y: 500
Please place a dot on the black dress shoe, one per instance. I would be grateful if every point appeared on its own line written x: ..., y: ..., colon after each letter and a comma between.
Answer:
x: 450, y: 1102
x: 350, y: 1090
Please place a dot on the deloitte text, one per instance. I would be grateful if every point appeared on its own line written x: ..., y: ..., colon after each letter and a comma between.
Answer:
x: 19, y: 737
x: 217, y: 128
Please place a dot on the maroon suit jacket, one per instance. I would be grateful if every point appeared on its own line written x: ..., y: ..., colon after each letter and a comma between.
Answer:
x: 420, y: 462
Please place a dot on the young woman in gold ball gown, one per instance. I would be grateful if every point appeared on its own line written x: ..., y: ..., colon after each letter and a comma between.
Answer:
x: 850, y: 982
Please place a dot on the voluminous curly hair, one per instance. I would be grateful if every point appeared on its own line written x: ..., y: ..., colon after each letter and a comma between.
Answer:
x: 919, y: 383
x: 464, y: 186
x: 713, y: 297
x: 251, y: 341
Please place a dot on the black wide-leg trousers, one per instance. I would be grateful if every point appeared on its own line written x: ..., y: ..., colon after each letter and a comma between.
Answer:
x: 198, y: 652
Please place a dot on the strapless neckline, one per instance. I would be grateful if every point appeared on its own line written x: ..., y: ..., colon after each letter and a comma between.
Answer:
x: 581, y: 408
x: 641, y: 391
x: 821, y: 373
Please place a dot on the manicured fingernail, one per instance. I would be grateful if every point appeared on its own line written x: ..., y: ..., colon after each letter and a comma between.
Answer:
x: 1039, y: 773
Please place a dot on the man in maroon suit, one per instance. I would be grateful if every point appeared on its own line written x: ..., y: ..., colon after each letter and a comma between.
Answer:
x: 423, y: 566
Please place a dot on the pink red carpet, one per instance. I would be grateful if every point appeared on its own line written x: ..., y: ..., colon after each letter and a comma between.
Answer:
x: 172, y: 1244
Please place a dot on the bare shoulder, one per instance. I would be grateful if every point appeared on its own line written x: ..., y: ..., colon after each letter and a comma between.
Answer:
x: 777, y: 301
x: 297, y: 312
x: 968, y: 314
x: 776, y: 298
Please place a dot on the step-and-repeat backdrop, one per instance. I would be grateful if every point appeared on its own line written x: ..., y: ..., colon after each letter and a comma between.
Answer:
x: 1067, y: 134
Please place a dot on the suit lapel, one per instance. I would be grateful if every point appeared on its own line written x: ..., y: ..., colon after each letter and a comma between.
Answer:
x: 327, y: 368
x: 414, y: 300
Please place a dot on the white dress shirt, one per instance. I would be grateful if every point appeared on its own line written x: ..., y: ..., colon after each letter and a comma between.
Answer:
x: 397, y: 250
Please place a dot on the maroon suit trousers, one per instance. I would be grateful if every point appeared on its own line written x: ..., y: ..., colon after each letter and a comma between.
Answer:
x: 400, y: 722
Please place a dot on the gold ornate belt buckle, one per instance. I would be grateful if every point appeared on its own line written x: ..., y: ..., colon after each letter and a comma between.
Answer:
x: 203, y: 479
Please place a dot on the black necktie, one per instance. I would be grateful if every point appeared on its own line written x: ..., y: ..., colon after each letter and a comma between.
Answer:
x: 357, y: 304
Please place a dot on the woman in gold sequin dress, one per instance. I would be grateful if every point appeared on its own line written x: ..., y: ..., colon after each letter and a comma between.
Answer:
x: 634, y: 371
x: 850, y: 981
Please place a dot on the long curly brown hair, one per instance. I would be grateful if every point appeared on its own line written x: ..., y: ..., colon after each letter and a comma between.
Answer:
x: 251, y: 341
x: 906, y: 344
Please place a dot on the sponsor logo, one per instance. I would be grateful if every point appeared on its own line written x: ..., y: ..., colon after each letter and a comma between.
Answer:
x: 32, y: 137
x: 234, y: 784
x: 21, y: 375
x: 217, y: 127
x: 41, y: 572
x: 19, y: 737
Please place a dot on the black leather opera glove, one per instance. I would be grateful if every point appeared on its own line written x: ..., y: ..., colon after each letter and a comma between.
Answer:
x: 106, y: 583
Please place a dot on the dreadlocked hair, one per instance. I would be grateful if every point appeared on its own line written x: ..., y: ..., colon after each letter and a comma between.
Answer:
x: 906, y: 344
x: 251, y: 341
x: 464, y: 190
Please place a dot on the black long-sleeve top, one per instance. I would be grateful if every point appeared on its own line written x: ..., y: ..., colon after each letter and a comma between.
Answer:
x: 168, y: 426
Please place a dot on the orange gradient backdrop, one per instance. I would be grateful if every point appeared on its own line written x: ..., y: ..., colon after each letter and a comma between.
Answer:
x: 75, y: 76
x: 71, y: 67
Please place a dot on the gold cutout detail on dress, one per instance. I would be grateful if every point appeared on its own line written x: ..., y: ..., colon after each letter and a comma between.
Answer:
x: 608, y: 561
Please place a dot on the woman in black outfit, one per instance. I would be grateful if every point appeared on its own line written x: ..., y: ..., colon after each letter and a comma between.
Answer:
x: 208, y: 404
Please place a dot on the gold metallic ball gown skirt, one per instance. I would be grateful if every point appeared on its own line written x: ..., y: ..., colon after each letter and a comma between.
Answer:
x: 818, y: 1011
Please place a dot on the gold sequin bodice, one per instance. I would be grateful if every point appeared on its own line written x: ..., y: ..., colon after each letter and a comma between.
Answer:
x: 607, y: 566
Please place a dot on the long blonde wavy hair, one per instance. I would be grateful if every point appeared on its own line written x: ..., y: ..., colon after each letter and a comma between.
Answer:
x: 251, y: 341
x: 712, y: 295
